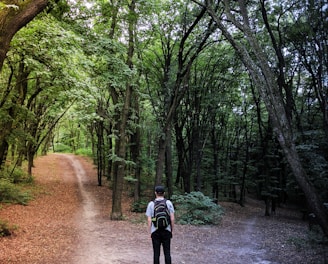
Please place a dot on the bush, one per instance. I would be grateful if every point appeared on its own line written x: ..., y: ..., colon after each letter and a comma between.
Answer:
x: 6, y: 229
x: 139, y: 207
x: 196, y: 209
x: 84, y: 152
x: 62, y: 148
x: 15, y: 175
x: 10, y: 193
x: 20, y: 176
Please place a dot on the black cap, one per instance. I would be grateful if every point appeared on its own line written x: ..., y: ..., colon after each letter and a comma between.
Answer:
x: 159, y: 189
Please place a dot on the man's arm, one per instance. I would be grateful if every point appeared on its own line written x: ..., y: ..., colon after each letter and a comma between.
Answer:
x: 149, y: 224
x: 172, y: 222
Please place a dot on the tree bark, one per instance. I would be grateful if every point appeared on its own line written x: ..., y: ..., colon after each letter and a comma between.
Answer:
x: 13, y: 19
x: 121, y: 155
x: 160, y: 161
x: 100, y: 152
x: 135, y: 149
x: 168, y: 166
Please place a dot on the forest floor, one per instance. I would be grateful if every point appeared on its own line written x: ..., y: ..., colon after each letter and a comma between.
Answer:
x: 68, y: 222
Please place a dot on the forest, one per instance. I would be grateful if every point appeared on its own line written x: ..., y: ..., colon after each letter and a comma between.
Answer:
x: 227, y: 98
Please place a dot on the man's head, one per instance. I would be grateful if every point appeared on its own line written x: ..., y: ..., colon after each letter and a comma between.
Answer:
x: 159, y: 190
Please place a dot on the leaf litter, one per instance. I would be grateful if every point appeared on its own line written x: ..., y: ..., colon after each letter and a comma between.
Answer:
x: 69, y: 222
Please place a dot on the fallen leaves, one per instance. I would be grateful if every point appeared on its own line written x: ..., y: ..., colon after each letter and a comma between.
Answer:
x: 46, y: 227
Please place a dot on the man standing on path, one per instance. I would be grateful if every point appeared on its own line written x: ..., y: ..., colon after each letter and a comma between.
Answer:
x: 160, y: 236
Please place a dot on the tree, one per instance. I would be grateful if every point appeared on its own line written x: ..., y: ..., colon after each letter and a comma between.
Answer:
x: 309, y: 36
x: 256, y: 60
x: 13, y: 16
x: 200, y: 120
x: 121, y: 147
x: 38, y: 80
x: 113, y: 125
x: 180, y: 42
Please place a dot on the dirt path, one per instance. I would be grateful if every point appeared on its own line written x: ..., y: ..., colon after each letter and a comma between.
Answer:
x: 104, y: 241
x: 95, y: 239
x: 69, y: 223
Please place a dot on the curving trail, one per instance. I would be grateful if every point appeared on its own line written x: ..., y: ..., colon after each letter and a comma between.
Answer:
x: 101, y: 240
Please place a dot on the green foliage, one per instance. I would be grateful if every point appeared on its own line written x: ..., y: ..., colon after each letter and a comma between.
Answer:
x: 317, y: 237
x: 84, y: 152
x: 196, y: 209
x: 298, y: 242
x: 312, y: 153
x: 62, y: 148
x: 130, y: 179
x: 314, y: 237
x: 76, y: 58
x: 6, y: 229
x: 15, y: 175
x: 139, y: 207
x: 11, y: 193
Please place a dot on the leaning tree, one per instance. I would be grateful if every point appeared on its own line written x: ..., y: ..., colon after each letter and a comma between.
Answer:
x: 234, y: 17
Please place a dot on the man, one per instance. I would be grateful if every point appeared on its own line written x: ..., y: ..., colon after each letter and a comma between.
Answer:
x: 160, y: 236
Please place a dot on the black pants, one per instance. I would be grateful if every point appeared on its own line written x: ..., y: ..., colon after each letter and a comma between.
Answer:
x: 162, y: 237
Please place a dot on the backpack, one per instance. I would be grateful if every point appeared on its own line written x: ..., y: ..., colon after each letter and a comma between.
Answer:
x: 161, y: 217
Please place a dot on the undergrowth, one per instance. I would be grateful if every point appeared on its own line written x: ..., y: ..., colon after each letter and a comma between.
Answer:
x: 313, y: 237
x: 6, y: 229
x: 13, y: 182
x: 11, y: 193
x: 196, y: 209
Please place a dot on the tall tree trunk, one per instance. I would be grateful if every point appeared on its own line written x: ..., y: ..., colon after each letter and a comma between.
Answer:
x: 100, y: 151
x: 135, y: 153
x: 198, y: 149
x: 215, y: 165
x: 168, y: 166
x: 243, y: 179
x: 30, y: 161
x: 3, y: 152
x: 108, y: 162
x: 120, y: 163
x: 184, y: 170
x: 160, y: 161
x: 122, y: 137
x: 180, y: 152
